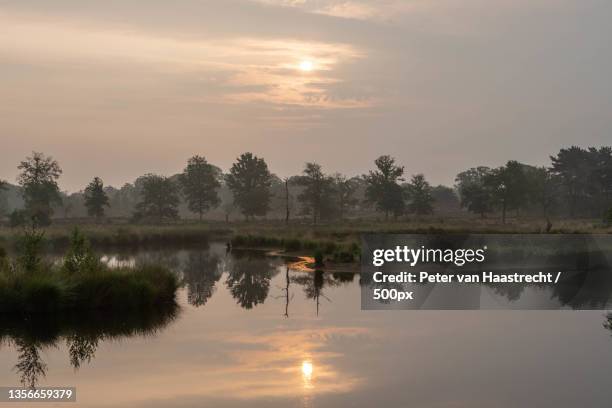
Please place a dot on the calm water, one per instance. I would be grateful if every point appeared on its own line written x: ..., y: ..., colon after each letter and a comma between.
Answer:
x: 252, y: 332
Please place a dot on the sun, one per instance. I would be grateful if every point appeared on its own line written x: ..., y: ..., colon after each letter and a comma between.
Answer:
x: 307, y: 369
x: 306, y: 65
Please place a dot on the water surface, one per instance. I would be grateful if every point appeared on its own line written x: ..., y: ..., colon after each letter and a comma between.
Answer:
x: 253, y: 332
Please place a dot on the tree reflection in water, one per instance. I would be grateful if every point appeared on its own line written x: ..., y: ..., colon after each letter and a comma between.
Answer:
x: 249, y: 279
x: 201, y: 273
x: 83, y: 333
x: 29, y: 364
x: 314, y: 282
x: 286, y: 294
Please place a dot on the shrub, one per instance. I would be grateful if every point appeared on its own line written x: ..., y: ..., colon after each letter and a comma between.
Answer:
x: 79, y: 257
x: 30, y: 246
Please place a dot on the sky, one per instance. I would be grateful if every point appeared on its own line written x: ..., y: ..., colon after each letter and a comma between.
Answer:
x: 120, y: 88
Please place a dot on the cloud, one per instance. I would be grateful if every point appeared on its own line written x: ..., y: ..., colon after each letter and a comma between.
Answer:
x: 377, y: 10
x: 240, y: 69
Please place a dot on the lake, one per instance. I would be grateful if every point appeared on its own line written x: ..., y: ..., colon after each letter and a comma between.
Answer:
x: 252, y: 331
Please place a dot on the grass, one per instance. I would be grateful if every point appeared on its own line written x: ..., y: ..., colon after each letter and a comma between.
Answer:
x: 125, y: 235
x: 339, y: 241
x: 52, y: 291
x: 81, y: 283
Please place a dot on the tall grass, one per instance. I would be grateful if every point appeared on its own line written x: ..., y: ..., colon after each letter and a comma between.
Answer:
x: 80, y: 284
x: 137, y: 236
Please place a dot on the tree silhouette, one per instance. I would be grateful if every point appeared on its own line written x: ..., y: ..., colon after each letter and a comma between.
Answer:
x: 96, y: 198
x: 317, y: 192
x: 419, y: 194
x: 159, y: 198
x: 508, y: 187
x: 383, y: 189
x: 199, y: 182
x: 249, y: 180
x: 345, y: 190
x: 38, y: 179
x: 572, y: 165
x: 474, y: 194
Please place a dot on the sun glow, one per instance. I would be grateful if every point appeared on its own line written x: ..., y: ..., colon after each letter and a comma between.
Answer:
x: 306, y: 65
x: 307, y: 370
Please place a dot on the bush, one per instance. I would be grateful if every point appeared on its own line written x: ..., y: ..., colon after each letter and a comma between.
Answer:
x: 30, y: 246
x: 79, y: 258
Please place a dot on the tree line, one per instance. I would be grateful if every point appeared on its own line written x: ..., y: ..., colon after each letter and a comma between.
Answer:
x: 578, y: 183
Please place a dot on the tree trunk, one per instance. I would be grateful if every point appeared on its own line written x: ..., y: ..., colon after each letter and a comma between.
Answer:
x: 287, y: 201
x: 504, y: 212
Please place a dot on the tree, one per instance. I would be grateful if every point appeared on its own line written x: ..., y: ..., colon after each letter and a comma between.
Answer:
x: 159, y: 198
x: 600, y: 178
x: 96, y: 198
x: 508, y: 187
x: 227, y: 203
x: 317, y: 191
x: 473, y: 193
x: 199, y: 183
x: 383, y: 189
x: 572, y: 166
x: 544, y: 188
x: 3, y: 186
x: 419, y: 193
x: 345, y: 190
x: 38, y: 179
x: 445, y: 199
x: 287, y: 201
x: 249, y: 180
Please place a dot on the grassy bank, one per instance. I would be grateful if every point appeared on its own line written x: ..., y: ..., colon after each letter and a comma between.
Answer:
x: 51, y: 290
x: 81, y: 283
x: 299, y: 236
x: 101, y: 236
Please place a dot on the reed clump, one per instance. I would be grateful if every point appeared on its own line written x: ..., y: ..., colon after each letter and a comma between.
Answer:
x: 78, y: 284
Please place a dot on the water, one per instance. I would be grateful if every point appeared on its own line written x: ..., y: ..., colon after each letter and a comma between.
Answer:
x: 252, y: 332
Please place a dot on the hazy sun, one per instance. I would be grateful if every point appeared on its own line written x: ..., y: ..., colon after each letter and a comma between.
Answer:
x: 307, y: 369
x: 306, y: 65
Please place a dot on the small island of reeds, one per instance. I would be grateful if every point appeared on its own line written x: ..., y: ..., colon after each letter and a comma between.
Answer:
x: 79, y: 284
